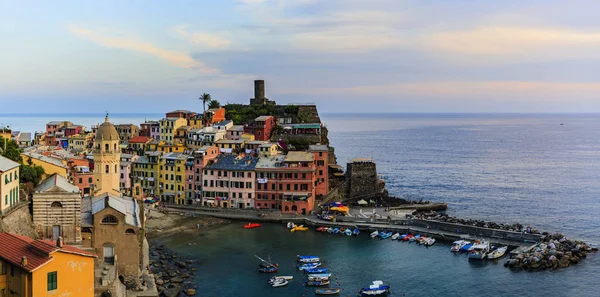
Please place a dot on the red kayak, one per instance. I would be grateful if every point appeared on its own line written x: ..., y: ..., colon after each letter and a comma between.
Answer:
x: 252, y: 225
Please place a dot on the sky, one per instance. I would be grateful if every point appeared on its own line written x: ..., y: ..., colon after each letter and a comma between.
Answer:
x: 344, y: 55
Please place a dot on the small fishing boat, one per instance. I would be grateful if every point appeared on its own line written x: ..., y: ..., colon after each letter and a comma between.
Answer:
x: 336, y: 230
x: 428, y: 241
x: 414, y: 238
x: 466, y: 247
x: 290, y: 225
x: 329, y: 230
x: 252, y: 225
x: 329, y: 291
x: 395, y: 236
x: 376, y: 289
x: 479, y: 251
x: 271, y: 269
x: 304, y: 257
x: 457, y: 245
x: 299, y: 228
x: 268, y: 265
x: 309, y: 266
x: 382, y: 233
x: 348, y: 232
x: 285, y: 277
x: 280, y: 282
x: 309, y: 260
x: 320, y: 275
x: 314, y: 278
x: 386, y: 235
x: 402, y: 237
x: 498, y: 253
x: 342, y: 229
x: 316, y: 271
x: 374, y: 234
x: 356, y: 231
x: 317, y: 283
x: 321, y: 229
x: 408, y: 237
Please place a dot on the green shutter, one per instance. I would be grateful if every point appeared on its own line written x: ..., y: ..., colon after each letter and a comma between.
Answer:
x: 52, y: 281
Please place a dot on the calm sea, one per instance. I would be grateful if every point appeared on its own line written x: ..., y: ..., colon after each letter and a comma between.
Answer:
x: 540, y: 170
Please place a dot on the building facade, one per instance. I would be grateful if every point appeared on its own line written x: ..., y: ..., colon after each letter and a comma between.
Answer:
x: 145, y: 173
x: 321, y: 155
x: 229, y: 182
x: 9, y: 184
x: 261, y: 128
x: 172, y: 177
x: 168, y: 128
x: 150, y: 129
x: 107, y: 158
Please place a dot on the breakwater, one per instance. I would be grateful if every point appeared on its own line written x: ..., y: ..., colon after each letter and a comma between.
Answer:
x: 173, y: 274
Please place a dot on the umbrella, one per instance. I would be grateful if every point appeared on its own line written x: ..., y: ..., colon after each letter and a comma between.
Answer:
x: 362, y: 202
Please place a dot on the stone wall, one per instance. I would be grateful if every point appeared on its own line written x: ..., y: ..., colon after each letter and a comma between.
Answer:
x: 18, y: 221
x: 476, y: 231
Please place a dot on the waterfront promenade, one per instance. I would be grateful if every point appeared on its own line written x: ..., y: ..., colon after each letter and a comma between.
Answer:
x: 439, y: 230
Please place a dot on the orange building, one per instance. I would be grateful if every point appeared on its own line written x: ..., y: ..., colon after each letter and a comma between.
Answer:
x: 214, y: 115
x: 31, y: 268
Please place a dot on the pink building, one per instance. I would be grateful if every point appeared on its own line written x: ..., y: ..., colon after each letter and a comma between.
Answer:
x: 235, y: 132
x: 125, y: 178
x: 150, y: 129
x: 229, y: 182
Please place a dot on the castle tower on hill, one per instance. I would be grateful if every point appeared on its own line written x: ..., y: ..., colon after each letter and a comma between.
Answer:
x: 107, y: 156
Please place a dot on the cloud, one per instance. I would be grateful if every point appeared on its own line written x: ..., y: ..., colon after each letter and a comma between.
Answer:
x: 176, y: 58
x: 202, y: 38
x: 500, y: 40
x: 508, y: 90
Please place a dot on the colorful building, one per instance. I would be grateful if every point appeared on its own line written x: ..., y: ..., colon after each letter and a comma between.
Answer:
x: 127, y: 131
x: 150, y: 129
x: 138, y: 145
x: 321, y: 154
x: 107, y: 157
x: 201, y: 158
x: 83, y: 178
x: 51, y: 165
x: 229, y: 182
x: 227, y: 146
x: 180, y: 113
x: 213, y: 115
x: 168, y: 128
x: 54, y: 126
x: 235, y: 132
x: 172, y: 177
x: 79, y: 142
x: 34, y: 268
x: 9, y: 184
x: 145, y: 172
x: 126, y: 170
x: 286, y: 182
x: 261, y: 127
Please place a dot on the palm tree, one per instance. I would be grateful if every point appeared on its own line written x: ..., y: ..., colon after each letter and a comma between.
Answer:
x: 205, y: 98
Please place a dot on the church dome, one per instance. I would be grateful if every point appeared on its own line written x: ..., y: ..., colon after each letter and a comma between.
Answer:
x: 107, y: 131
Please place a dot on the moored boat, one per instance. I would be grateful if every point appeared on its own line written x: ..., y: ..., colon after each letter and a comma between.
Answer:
x: 252, y: 225
x: 498, y: 253
x: 479, y: 251
x: 376, y: 289
x: 286, y: 277
x: 414, y: 238
x: 271, y: 269
x: 309, y: 266
x: 319, y: 275
x: 280, y: 282
x: 336, y: 230
x: 395, y: 236
x: 355, y: 231
x: 301, y: 258
x: 403, y: 236
x: 386, y: 235
x: 348, y: 232
x: 457, y: 245
x: 316, y: 271
x: 290, y: 225
x: 329, y: 230
x: 329, y: 291
x: 315, y: 278
x: 299, y: 228
x: 429, y: 241
x: 466, y: 247
x: 374, y: 234
x: 317, y: 283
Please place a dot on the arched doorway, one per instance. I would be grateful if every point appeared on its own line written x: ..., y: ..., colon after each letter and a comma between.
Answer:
x: 225, y: 204
x: 294, y: 208
x: 287, y: 208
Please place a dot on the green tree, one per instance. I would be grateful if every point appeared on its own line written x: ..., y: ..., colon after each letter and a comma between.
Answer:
x: 32, y: 174
x: 214, y: 104
x: 13, y: 152
x: 205, y: 98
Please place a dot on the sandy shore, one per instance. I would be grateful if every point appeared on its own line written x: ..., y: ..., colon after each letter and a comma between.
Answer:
x: 164, y: 224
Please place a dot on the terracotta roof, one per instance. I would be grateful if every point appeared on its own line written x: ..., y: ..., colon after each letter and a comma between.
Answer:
x: 139, y: 139
x: 38, y: 253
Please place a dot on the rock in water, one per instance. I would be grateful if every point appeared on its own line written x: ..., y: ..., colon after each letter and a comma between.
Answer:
x: 190, y: 292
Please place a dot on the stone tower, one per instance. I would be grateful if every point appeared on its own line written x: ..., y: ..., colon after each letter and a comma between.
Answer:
x: 107, y: 156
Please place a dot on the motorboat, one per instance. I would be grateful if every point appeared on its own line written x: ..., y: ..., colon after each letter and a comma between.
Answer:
x: 421, y: 239
x: 300, y: 258
x: 329, y: 230
x: 271, y: 269
x: 466, y: 247
x: 457, y: 245
x: 348, y: 232
x: 285, y: 277
x: 317, y: 283
x: 342, y: 229
x: 414, y: 238
x: 403, y: 236
x: 252, y: 225
x: 310, y: 260
x: 356, y: 231
x: 498, y: 253
x: 336, y: 230
x: 395, y: 236
x: 386, y: 235
x: 328, y: 291
x: 429, y: 241
x: 280, y: 282
x: 309, y: 266
x: 382, y: 233
x: 290, y: 225
x: 479, y: 251
x: 320, y: 275
x: 316, y: 278
x: 374, y: 234
x: 316, y: 271
x: 376, y: 289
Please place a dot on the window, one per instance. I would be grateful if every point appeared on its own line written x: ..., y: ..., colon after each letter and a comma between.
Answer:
x: 106, y: 169
x: 320, y: 154
x: 56, y: 204
x: 2, y: 268
x: 106, y: 147
x: 109, y: 220
x: 130, y: 231
x: 90, y: 180
x: 52, y: 281
x: 287, y: 187
x: 249, y: 195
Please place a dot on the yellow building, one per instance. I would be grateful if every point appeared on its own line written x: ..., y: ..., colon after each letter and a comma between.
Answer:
x: 144, y: 174
x: 35, y: 268
x: 79, y: 141
x: 168, y: 128
x: 172, y: 178
x: 107, y: 160
x: 248, y: 136
x: 195, y: 122
x: 171, y: 148
x: 51, y: 165
x: 9, y: 183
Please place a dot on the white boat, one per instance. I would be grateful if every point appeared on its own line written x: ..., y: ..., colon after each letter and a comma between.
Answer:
x: 309, y: 260
x: 395, y: 236
x: 374, y: 234
x: 320, y: 275
x: 429, y: 241
x: 498, y: 253
x: 285, y: 277
x: 290, y: 225
x: 458, y: 244
x: 479, y: 251
x: 279, y: 283
x: 318, y: 278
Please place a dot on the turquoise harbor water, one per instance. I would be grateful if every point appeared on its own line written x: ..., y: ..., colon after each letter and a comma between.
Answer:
x: 505, y: 168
